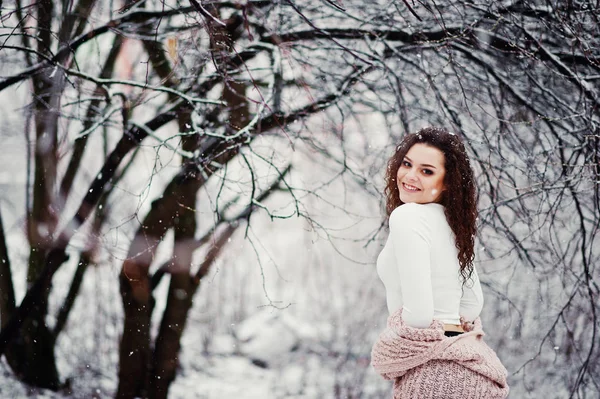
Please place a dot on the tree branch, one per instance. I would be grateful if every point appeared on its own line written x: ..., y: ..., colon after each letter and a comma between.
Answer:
x: 92, y: 111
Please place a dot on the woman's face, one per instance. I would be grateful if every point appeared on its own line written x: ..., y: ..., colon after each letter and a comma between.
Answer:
x: 421, y: 174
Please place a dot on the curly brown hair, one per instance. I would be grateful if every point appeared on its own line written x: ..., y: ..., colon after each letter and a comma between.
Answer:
x: 459, y: 198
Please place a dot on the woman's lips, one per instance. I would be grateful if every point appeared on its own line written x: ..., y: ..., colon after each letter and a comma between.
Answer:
x: 410, y: 188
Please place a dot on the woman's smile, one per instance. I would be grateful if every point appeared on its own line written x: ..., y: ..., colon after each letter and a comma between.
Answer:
x: 410, y: 188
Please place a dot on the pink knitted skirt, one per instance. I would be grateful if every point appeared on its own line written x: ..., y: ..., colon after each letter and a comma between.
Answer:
x: 425, y: 364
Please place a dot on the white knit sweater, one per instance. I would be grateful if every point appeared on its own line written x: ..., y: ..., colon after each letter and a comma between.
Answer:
x: 419, y: 268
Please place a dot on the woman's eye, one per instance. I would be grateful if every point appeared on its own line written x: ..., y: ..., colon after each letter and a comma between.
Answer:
x: 406, y: 163
x: 427, y: 171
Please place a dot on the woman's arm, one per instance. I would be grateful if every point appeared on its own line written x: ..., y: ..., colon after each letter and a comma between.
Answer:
x: 410, y: 236
x: 471, y: 302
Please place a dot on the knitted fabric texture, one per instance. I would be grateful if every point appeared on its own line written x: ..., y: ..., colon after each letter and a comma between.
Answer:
x: 425, y: 364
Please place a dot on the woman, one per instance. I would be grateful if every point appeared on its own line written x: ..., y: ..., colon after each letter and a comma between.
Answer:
x: 432, y: 346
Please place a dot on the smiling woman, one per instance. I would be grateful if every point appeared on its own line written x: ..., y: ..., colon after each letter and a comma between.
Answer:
x: 421, y: 174
x: 433, y: 291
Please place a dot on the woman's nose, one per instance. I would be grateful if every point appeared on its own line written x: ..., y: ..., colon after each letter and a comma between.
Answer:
x: 411, y: 174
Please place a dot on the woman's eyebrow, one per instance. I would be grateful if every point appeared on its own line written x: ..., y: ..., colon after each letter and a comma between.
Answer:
x: 423, y: 164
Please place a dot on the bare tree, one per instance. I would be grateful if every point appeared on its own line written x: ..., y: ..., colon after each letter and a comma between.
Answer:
x: 517, y: 79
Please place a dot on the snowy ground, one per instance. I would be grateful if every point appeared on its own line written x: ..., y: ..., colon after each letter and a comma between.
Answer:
x: 269, y: 359
x: 218, y: 377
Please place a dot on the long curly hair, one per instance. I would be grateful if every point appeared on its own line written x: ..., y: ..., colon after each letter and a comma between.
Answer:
x: 459, y: 198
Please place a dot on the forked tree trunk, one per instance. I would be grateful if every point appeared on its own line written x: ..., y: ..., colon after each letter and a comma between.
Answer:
x: 165, y: 357
x: 134, y: 352
x: 183, y: 286
x: 170, y: 210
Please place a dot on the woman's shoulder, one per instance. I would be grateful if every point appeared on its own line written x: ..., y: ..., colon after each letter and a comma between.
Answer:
x: 414, y: 211
x: 411, y: 218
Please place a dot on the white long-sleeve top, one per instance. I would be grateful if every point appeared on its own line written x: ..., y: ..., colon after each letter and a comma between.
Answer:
x: 420, y: 270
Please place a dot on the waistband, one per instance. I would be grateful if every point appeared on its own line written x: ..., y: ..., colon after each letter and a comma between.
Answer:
x: 454, y: 328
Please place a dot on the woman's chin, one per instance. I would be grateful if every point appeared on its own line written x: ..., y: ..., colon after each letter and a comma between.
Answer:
x: 407, y: 199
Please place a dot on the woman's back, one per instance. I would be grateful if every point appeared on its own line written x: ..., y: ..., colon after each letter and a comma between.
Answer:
x: 420, y: 269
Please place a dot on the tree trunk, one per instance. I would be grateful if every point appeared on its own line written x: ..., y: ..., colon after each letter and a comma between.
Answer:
x: 32, y: 355
x: 67, y: 306
x: 35, y: 362
x: 183, y: 286
x: 181, y: 289
x: 174, y: 209
x: 7, y: 291
x: 181, y: 293
x: 134, y: 353
x: 166, y: 353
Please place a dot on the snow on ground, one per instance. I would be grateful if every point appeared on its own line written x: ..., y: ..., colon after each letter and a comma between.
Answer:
x: 291, y: 373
